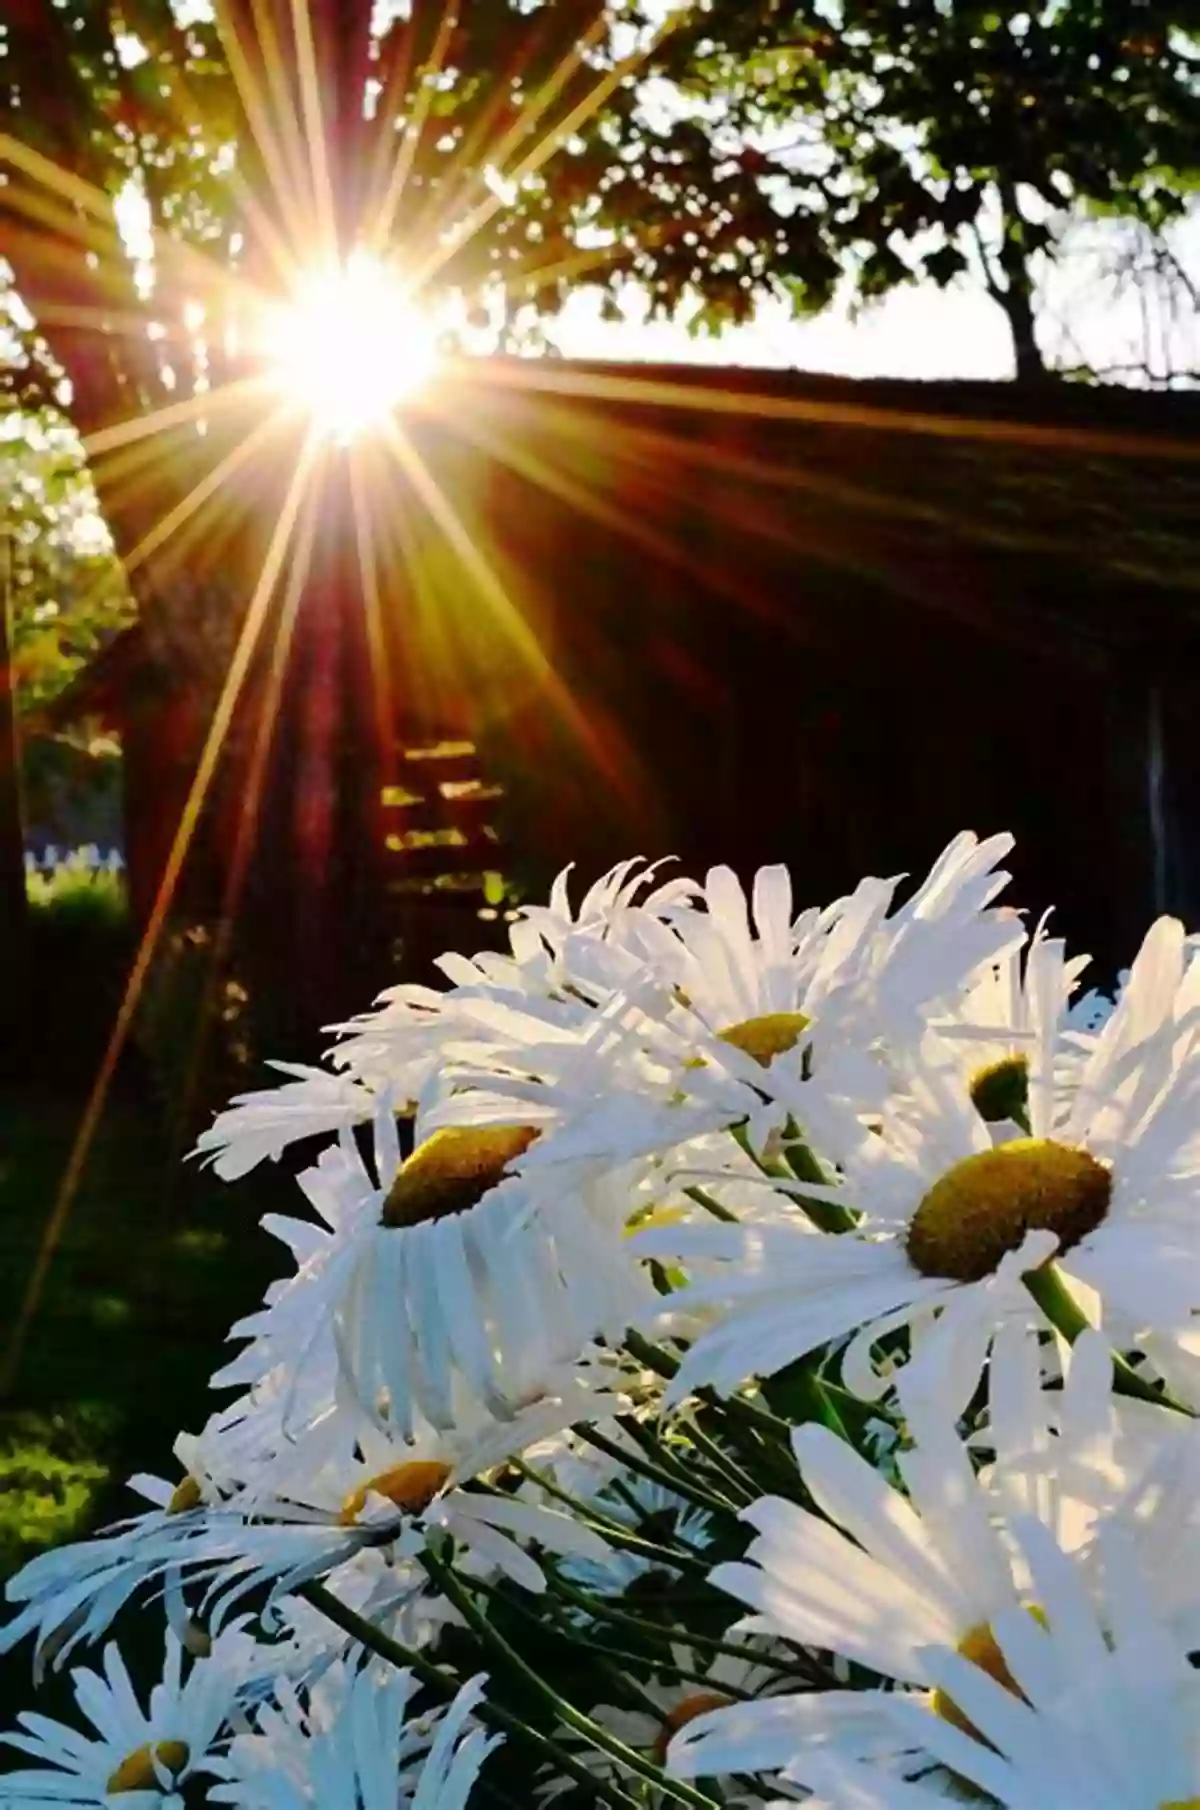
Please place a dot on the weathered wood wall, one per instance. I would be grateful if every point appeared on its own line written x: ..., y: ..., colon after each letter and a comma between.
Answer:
x: 747, y: 617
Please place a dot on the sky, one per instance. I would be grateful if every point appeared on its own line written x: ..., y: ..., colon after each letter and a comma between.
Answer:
x: 922, y: 331
x: 916, y: 332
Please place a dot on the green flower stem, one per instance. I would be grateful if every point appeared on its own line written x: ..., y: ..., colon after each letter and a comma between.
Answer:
x: 453, y: 1590
x: 658, y: 1470
x: 609, y: 1529
x: 1062, y: 1310
x: 826, y: 1215
x: 664, y: 1365
x: 698, y: 1643
x: 800, y: 1166
x: 765, y: 1452
x: 652, y: 1356
x: 853, y: 1407
x: 735, y: 1477
x: 579, y: 1637
x: 704, y: 1199
x: 604, y: 1523
x: 447, y: 1685
x: 657, y: 1452
x: 768, y: 1427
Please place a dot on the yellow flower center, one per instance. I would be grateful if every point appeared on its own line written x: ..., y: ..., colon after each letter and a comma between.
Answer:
x: 184, y: 1497
x: 979, y: 1646
x: 767, y: 1037
x: 981, y: 1209
x: 411, y: 1487
x: 682, y: 1714
x: 452, y: 1171
x: 137, y: 1770
x: 1001, y: 1090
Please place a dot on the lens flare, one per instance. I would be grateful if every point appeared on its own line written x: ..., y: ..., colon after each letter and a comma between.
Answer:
x: 350, y: 346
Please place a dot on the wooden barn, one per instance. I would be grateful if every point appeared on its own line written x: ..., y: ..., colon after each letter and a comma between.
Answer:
x: 720, y: 614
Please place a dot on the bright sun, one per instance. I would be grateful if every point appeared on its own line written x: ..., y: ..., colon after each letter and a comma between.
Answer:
x: 350, y: 345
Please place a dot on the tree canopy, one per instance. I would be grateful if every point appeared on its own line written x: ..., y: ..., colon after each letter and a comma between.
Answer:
x: 929, y: 138
x: 508, y: 151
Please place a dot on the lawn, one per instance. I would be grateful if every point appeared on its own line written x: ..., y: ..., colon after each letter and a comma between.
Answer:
x: 152, y: 1268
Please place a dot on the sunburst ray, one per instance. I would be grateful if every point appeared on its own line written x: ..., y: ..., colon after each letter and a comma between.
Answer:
x: 614, y: 384
x: 88, y: 218
x: 277, y: 140
x: 381, y: 219
x: 378, y: 652
x: 504, y: 611
x: 462, y: 232
x: 239, y: 666
x: 323, y: 197
x: 475, y: 154
x: 192, y: 409
x: 251, y: 795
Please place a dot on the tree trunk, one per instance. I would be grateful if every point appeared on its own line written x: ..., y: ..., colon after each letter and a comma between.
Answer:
x: 14, y: 996
x: 1016, y: 297
x: 1031, y: 366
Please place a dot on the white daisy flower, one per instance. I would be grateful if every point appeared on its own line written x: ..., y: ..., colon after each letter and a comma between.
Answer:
x: 143, y: 1757
x: 395, y: 1054
x: 351, y: 1742
x: 745, y: 988
x: 554, y: 960
x: 370, y: 1489
x: 1072, y: 1707
x: 903, y: 1575
x: 603, y: 908
x: 1108, y: 1183
x: 441, y: 1275
x: 890, y: 1582
x: 1073, y: 1454
x: 392, y: 1490
x: 257, y: 1127
x: 467, y: 1273
x: 1017, y: 1016
x: 709, y: 1017
x: 394, y: 1595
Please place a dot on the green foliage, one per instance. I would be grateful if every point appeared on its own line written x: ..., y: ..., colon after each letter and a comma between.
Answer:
x: 51, y: 1470
x: 68, y: 594
x: 913, y: 138
x: 540, y: 104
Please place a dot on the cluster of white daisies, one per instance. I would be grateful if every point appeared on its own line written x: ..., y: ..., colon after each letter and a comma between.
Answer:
x: 732, y: 1353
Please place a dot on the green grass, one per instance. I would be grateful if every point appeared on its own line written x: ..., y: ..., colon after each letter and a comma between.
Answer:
x: 77, y: 898
x: 152, y: 1268
x: 51, y: 1475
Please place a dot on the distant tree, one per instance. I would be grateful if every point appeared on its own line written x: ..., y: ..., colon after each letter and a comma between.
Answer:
x: 68, y: 593
x: 934, y: 138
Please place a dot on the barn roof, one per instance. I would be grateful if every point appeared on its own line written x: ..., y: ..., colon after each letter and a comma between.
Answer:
x: 1035, y: 512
